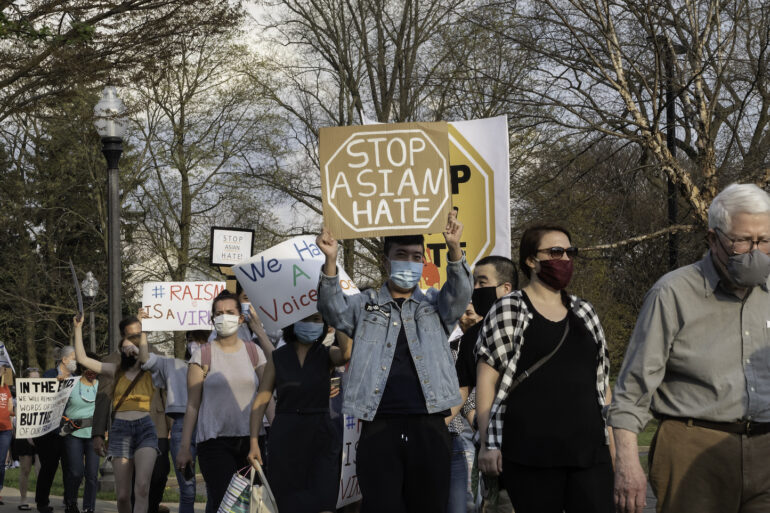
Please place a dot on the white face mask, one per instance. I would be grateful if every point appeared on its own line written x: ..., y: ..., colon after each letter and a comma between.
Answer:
x: 71, y: 365
x: 226, y: 324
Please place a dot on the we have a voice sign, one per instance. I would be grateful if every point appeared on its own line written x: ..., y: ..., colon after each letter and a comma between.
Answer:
x: 282, y: 282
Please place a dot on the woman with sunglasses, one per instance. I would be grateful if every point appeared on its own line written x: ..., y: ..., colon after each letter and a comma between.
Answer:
x: 81, y: 460
x: 542, y: 384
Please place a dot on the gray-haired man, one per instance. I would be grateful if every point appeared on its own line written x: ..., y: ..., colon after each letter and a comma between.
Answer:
x: 699, y: 358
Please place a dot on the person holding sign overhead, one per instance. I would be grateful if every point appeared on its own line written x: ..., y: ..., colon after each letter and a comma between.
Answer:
x: 50, y: 445
x: 402, y: 381
x: 133, y: 443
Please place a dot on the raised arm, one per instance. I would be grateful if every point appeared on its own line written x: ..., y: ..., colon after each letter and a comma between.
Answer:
x: 258, y: 407
x: 80, y: 352
x: 144, y: 350
x: 455, y: 294
x: 338, y: 309
x: 341, y: 355
x: 256, y: 326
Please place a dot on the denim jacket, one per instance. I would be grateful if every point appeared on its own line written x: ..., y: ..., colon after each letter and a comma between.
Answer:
x: 373, y: 319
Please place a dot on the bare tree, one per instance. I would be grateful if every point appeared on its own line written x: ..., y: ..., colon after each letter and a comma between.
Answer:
x: 196, y: 117
x: 600, y: 68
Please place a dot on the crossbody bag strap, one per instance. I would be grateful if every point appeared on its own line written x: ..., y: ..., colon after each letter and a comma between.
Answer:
x: 128, y: 391
x: 542, y: 361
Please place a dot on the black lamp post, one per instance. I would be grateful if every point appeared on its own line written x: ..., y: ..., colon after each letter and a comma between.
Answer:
x: 670, y: 50
x: 90, y: 287
x: 111, y: 125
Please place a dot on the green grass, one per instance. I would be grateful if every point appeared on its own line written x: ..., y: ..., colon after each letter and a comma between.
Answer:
x: 12, y: 481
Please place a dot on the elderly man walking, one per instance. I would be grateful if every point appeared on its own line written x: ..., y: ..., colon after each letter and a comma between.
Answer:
x: 699, y: 359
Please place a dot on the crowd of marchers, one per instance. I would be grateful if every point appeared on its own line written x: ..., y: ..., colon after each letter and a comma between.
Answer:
x: 478, y: 396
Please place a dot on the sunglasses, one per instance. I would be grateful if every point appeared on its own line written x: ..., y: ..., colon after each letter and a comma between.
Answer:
x: 558, y: 252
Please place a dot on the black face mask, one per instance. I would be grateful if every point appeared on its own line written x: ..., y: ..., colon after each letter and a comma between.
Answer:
x: 126, y: 362
x: 483, y: 298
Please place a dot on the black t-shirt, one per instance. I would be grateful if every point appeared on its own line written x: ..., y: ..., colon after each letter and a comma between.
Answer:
x: 553, y: 418
x: 403, y: 392
x: 466, y: 358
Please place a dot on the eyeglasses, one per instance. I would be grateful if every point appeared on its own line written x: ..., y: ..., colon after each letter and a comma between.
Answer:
x: 134, y: 338
x: 558, y: 252
x: 739, y: 246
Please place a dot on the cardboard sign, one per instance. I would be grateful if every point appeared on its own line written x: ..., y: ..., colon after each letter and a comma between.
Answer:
x: 390, y: 179
x: 230, y: 245
x: 349, y: 489
x: 282, y: 281
x: 479, y: 177
x: 179, y: 305
x: 40, y: 403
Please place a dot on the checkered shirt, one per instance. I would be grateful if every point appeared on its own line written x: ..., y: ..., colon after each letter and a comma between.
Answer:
x: 499, y: 345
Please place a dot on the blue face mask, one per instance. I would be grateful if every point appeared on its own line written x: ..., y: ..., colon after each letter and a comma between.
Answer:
x: 308, y: 332
x: 404, y: 274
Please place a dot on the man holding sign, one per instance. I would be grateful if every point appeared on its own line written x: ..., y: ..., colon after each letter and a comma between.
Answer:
x: 401, y: 380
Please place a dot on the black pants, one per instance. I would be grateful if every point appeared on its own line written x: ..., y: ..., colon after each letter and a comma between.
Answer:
x: 219, y: 459
x: 159, y: 476
x: 403, y: 464
x: 50, y: 449
x: 559, y: 489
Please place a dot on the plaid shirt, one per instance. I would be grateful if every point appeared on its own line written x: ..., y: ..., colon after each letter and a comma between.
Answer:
x: 500, y: 342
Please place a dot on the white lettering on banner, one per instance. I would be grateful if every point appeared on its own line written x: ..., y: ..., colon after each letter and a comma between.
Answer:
x: 389, y: 179
x: 179, y: 306
x: 349, y: 490
x: 282, y: 282
x: 40, y: 403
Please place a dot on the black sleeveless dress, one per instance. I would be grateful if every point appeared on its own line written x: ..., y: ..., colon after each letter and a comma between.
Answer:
x: 304, y: 448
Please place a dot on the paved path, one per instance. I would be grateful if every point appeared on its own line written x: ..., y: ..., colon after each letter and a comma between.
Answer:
x: 11, y: 500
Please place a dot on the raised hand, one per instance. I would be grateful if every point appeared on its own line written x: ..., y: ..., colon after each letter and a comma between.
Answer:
x: 329, y: 247
x: 452, y: 234
x: 77, y: 321
x: 327, y: 243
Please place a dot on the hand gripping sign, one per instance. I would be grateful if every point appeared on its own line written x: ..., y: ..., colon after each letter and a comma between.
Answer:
x: 282, y: 282
x: 390, y: 179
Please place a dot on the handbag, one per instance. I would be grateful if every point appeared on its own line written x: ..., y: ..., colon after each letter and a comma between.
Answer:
x: 237, y: 496
x: 262, y: 498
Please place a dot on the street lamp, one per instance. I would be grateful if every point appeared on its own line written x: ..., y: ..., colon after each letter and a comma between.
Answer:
x: 670, y: 50
x: 90, y: 287
x: 111, y: 124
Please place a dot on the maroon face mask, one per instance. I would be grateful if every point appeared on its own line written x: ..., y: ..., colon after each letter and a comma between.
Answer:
x: 555, y: 273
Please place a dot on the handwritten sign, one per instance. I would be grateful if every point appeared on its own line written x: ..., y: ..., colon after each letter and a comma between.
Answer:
x: 349, y: 489
x: 282, y: 282
x: 179, y: 305
x: 40, y: 403
x: 390, y: 179
x: 230, y: 245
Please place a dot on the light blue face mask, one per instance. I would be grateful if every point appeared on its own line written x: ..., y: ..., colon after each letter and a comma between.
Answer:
x: 308, y: 332
x: 405, y: 274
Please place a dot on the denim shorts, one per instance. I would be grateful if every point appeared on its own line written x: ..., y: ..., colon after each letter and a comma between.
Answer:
x: 128, y: 436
